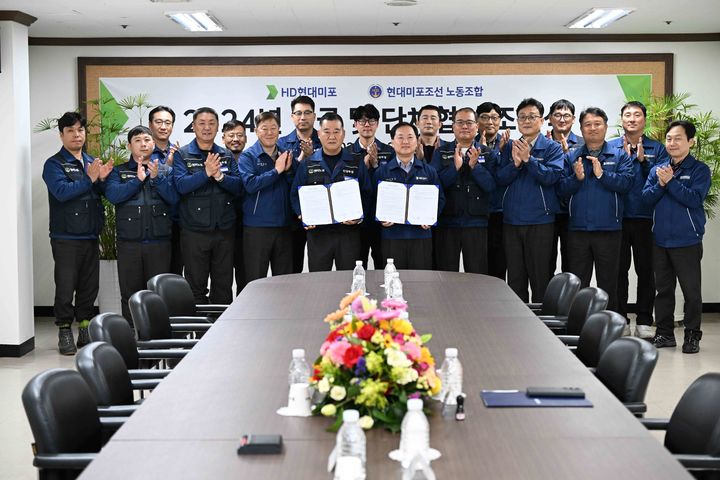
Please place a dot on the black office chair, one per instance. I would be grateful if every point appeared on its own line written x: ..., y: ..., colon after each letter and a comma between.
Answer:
x: 65, y: 423
x: 587, y: 301
x: 114, y: 329
x: 693, y: 430
x: 558, y: 296
x: 599, y: 331
x: 151, y: 319
x: 177, y: 294
x: 104, y: 370
x: 625, y: 368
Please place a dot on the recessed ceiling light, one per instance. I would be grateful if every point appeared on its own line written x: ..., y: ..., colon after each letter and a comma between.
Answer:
x: 401, y: 3
x: 170, y: 1
x: 599, y: 17
x: 199, y: 21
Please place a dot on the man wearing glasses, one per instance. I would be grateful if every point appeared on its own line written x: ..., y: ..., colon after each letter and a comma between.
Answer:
x: 489, y: 117
x: 529, y: 167
x: 375, y: 154
x: 464, y: 168
x: 302, y: 142
x: 234, y: 138
x: 562, y: 118
x: 267, y: 173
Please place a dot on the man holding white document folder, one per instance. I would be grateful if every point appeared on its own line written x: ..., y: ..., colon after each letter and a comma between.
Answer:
x: 330, y: 205
x: 407, y: 238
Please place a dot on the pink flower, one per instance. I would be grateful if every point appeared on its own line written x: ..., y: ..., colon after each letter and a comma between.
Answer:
x: 412, y: 350
x: 422, y: 367
x: 336, y: 351
x: 386, y: 314
x: 357, y: 305
x: 325, y: 347
x: 394, y: 303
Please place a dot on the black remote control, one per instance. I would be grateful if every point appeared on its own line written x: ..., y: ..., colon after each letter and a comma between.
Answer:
x: 562, y: 392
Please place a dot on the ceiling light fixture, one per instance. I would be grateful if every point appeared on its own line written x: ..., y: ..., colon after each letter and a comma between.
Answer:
x: 199, y: 21
x: 599, y: 17
x: 401, y: 3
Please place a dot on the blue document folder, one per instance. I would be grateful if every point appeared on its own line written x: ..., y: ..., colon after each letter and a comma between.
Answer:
x: 517, y: 398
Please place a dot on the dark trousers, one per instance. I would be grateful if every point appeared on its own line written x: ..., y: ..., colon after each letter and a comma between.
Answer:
x: 340, y: 243
x: 299, y: 238
x: 412, y: 254
x: 267, y: 247
x: 77, y: 274
x: 239, y: 259
x: 471, y: 241
x: 674, y: 265
x: 600, y: 249
x: 527, y: 250
x: 137, y: 263
x: 209, y: 254
x: 371, y: 241
x: 637, y: 236
x: 176, y: 258
x: 560, y: 236
x: 496, y: 249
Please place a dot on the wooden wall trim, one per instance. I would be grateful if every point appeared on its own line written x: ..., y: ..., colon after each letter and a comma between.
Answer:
x: 17, y: 16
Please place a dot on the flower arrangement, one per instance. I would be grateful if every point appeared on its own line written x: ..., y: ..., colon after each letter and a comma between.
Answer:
x: 372, y: 361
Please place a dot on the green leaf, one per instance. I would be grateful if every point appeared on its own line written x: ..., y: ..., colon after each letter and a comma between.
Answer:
x: 425, y: 338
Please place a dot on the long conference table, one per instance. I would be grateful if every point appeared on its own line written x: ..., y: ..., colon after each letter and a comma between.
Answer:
x: 235, y: 379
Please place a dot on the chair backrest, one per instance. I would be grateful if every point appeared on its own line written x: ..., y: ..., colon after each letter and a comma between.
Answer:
x: 104, y: 370
x: 62, y: 413
x: 149, y: 315
x: 694, y: 426
x: 114, y: 329
x: 559, y: 294
x: 625, y: 368
x: 587, y: 301
x: 176, y: 293
x: 600, y: 330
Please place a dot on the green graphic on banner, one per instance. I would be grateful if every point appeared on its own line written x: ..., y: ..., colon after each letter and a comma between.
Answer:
x: 636, y: 87
x: 112, y: 114
x: 272, y: 92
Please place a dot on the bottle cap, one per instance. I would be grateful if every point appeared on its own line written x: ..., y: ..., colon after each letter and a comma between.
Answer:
x: 390, y: 260
x: 298, y: 353
x: 351, y: 416
x: 451, y: 352
x: 414, y: 404
x: 358, y: 263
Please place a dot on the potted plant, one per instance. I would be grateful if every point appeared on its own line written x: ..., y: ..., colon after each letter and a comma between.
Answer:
x: 106, y: 140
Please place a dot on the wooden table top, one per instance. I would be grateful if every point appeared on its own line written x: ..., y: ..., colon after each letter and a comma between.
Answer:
x: 235, y: 379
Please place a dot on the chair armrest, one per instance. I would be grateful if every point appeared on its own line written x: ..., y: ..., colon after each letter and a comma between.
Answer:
x: 117, y: 410
x: 159, y: 354
x: 555, y: 324
x: 556, y: 318
x: 698, y: 462
x: 592, y: 370
x: 636, y: 407
x: 534, y: 306
x: 190, y: 327
x: 165, y: 343
x: 74, y: 461
x: 190, y: 319
x: 148, y: 373
x: 569, y: 340
x: 145, y: 383
x: 111, y: 424
x: 655, y: 423
x: 211, y: 308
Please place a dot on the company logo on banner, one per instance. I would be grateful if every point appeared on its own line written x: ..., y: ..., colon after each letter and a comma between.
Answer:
x: 397, y: 98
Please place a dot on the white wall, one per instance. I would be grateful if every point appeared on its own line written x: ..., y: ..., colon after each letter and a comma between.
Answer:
x: 53, y: 90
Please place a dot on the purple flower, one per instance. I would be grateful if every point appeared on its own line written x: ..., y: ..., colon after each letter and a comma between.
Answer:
x: 414, y: 395
x: 360, y: 369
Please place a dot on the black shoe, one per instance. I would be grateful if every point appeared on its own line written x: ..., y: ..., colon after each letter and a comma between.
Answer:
x: 661, y: 341
x: 83, y: 337
x: 692, y: 341
x: 66, y: 342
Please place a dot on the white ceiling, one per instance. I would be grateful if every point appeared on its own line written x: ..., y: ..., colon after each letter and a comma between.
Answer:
x: 103, y: 18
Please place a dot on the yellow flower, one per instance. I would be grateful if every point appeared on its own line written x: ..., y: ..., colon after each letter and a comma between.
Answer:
x: 384, y: 325
x: 388, y: 340
x: 372, y: 394
x: 377, y: 337
x: 403, y: 376
x: 337, y: 393
x: 323, y: 385
x: 433, y: 381
x: 426, y: 357
x: 328, y: 410
x: 366, y: 422
x: 374, y: 362
x: 402, y: 326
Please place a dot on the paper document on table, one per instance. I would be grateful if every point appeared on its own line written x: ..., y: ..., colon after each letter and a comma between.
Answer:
x: 391, y: 202
x: 423, y: 204
x: 345, y: 200
x: 315, y: 205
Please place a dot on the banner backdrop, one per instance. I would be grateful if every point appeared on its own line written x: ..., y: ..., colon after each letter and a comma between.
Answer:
x: 397, y: 97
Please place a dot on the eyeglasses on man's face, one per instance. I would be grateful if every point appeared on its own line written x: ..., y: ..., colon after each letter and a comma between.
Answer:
x: 366, y: 121
x: 160, y: 123
x: 303, y: 113
x: 562, y: 116
x: 528, y: 118
x: 464, y: 123
x: 489, y: 118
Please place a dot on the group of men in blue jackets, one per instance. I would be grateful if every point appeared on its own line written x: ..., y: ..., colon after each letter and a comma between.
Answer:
x: 503, y: 205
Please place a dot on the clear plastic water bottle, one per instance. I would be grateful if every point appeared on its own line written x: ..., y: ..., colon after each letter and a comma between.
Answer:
x: 358, y: 284
x: 414, y: 432
x: 396, y: 288
x: 299, y: 371
x: 358, y: 270
x: 389, y: 270
x: 351, y: 438
x: 451, y: 376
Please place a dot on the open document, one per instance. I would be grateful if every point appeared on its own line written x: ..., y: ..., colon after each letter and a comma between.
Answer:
x: 407, y: 204
x: 327, y: 204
